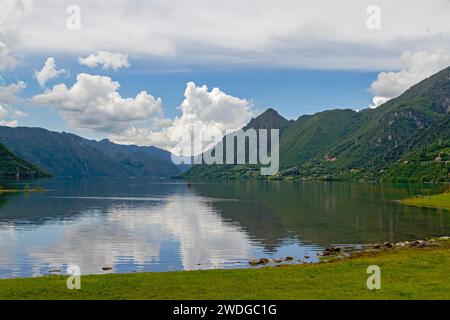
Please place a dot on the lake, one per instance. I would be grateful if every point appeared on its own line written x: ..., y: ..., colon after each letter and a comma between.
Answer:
x: 134, y: 225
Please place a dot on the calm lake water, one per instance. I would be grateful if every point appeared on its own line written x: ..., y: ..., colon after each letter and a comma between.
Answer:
x: 136, y: 225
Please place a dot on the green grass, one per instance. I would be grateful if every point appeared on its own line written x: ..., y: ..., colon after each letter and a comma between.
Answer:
x: 405, y: 274
x: 435, y: 201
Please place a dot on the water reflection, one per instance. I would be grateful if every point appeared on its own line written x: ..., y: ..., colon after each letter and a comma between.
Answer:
x: 329, y: 213
x: 137, y: 236
x: 134, y: 225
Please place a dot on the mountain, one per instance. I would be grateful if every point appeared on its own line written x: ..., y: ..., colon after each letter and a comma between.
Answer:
x: 405, y: 139
x: 118, y: 150
x: 66, y: 154
x: 270, y: 119
x: 391, y: 134
x: 140, y: 160
x: 10, y: 165
x: 313, y: 136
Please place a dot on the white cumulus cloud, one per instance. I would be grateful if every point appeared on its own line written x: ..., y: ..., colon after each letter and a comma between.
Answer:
x: 418, y: 66
x: 106, y: 59
x: 48, y: 71
x: 94, y: 103
x: 214, y: 110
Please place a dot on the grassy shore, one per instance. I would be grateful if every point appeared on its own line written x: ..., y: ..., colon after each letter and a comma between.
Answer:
x: 435, y: 201
x: 405, y: 274
x: 2, y: 190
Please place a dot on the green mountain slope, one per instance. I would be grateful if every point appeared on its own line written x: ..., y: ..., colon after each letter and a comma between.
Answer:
x: 10, y: 165
x: 427, y: 158
x: 270, y: 119
x: 315, y: 136
x: 393, y: 128
x: 407, y: 138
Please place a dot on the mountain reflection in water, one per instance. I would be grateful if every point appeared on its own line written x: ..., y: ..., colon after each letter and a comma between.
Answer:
x: 162, y: 225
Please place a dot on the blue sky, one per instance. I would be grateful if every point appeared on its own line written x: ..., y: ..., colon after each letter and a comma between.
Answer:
x: 291, y: 92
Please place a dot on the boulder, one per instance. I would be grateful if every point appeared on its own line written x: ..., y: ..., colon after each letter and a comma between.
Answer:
x: 253, y: 262
x: 388, y: 245
x: 289, y: 258
x: 332, y: 251
x: 414, y: 243
x: 54, y: 271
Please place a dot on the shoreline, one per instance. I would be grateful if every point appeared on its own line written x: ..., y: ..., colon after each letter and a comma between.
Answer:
x: 328, y: 255
x: 37, y: 189
x: 418, y: 270
x: 438, y: 201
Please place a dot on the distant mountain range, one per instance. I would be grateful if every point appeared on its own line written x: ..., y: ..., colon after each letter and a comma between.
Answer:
x: 65, y: 154
x: 405, y: 139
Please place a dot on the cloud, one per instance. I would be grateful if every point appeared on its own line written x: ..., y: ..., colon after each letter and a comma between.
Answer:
x: 286, y: 33
x: 8, y: 96
x: 8, y: 93
x: 6, y: 59
x: 94, y: 103
x: 8, y: 111
x: 12, y: 124
x: 107, y: 59
x: 11, y: 17
x: 418, y: 66
x: 9, y: 116
x: 48, y: 72
x: 215, y: 111
x: 214, y: 106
